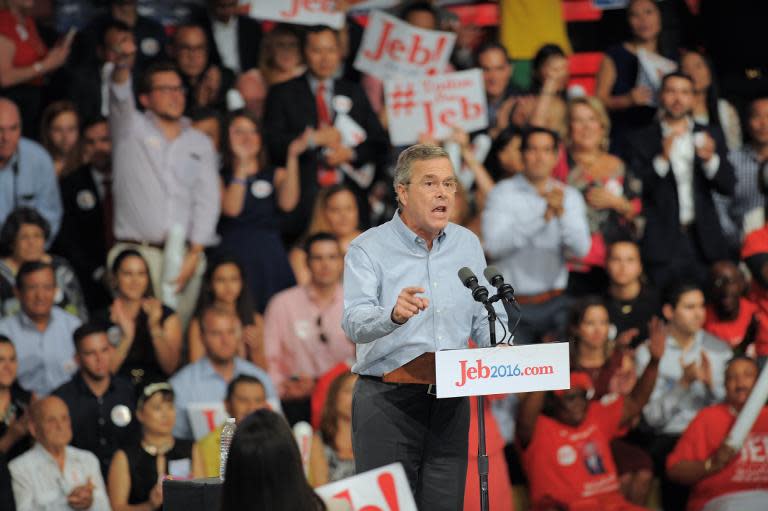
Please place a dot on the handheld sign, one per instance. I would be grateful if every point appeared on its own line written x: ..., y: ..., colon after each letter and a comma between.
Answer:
x: 502, y: 369
x: 301, y: 12
x: 381, y: 489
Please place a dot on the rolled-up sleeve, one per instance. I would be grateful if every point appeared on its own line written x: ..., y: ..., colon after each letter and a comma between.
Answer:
x: 206, y: 204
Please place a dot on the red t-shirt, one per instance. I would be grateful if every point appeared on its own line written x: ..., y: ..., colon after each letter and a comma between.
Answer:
x: 705, y: 433
x: 731, y: 332
x: 573, y: 467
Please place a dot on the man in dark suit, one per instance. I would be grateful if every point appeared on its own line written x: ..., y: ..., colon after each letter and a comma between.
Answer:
x: 680, y: 163
x: 347, y: 139
x: 86, y: 229
x: 235, y: 39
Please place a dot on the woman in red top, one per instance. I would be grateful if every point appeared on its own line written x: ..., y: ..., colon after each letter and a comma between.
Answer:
x: 25, y: 61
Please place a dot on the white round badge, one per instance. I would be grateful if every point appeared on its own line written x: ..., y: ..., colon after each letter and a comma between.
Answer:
x: 261, y: 189
x: 566, y: 455
x: 342, y: 104
x: 86, y: 200
x: 120, y: 415
x: 150, y: 46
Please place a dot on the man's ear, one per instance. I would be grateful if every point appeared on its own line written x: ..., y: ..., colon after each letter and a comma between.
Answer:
x: 668, y: 311
x: 144, y: 100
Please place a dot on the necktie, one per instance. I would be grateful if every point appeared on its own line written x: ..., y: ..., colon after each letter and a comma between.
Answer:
x: 326, y: 176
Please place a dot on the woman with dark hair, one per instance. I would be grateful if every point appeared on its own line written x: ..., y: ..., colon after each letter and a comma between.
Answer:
x: 224, y: 288
x: 550, y: 79
x: 146, y: 334
x: 60, y: 134
x: 22, y: 239
x: 505, y: 158
x: 264, y: 469
x: 14, y: 402
x: 253, y: 193
x: 332, y: 458
x: 280, y: 56
x: 709, y: 109
x: 136, y: 472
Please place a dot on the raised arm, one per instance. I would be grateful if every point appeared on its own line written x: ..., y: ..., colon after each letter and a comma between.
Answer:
x: 641, y: 393
x: 528, y: 412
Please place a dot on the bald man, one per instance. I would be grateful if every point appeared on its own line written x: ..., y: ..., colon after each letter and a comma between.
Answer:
x: 52, y: 475
x: 27, y: 177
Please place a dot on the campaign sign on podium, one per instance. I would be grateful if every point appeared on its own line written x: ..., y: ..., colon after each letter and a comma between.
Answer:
x: 502, y: 369
x: 382, y: 489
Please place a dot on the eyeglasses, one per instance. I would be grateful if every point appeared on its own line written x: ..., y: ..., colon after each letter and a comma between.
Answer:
x: 200, y: 48
x: 432, y: 185
x: 319, y: 323
x: 167, y: 89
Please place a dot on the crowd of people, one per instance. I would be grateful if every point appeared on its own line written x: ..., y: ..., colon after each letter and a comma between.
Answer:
x: 176, y: 205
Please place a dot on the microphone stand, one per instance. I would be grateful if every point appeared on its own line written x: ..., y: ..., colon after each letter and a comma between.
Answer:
x: 482, y: 455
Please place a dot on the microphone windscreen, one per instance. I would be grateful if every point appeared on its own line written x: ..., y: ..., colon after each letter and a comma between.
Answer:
x: 465, y: 274
x: 491, y: 273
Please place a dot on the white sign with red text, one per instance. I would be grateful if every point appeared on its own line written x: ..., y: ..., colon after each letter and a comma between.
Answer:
x: 432, y: 105
x: 502, y: 369
x: 301, y: 12
x: 391, y: 48
x: 205, y: 417
x: 381, y: 489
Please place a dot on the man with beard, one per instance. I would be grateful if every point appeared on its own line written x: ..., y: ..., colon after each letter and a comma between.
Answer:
x: 100, y: 405
x: 681, y: 163
x: 165, y: 177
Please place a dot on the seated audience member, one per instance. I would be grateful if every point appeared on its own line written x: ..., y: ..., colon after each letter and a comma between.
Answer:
x: 224, y: 288
x: 755, y: 254
x: 53, y: 474
x: 331, y: 458
x: 41, y: 331
x: 100, y: 405
x: 60, y: 136
x: 690, y: 378
x: 303, y: 338
x: 253, y: 197
x: 14, y: 405
x: 264, y: 469
x: 335, y: 212
x: 681, y: 163
x: 23, y: 239
x: 531, y: 224
x: 86, y: 228
x: 730, y: 316
x: 611, y: 369
x: 720, y: 476
x: 206, y: 84
x: 245, y: 395
x: 147, y: 337
x: 235, y: 38
x: 137, y: 470
x: 566, y: 453
x: 631, y: 301
x: 505, y: 158
x: 27, y: 177
x: 280, y: 57
x: 206, y: 380
x: 611, y: 193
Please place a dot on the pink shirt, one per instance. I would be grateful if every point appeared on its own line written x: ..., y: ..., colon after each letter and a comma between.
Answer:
x: 292, y: 335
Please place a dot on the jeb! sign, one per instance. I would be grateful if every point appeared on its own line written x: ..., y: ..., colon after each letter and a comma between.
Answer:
x: 432, y: 105
x: 502, y: 369
x: 302, y: 12
x: 391, y: 48
x: 381, y: 489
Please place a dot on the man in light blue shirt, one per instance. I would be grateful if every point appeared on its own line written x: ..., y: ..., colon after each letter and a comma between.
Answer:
x: 40, y: 331
x: 402, y: 298
x: 205, y: 382
x: 27, y: 177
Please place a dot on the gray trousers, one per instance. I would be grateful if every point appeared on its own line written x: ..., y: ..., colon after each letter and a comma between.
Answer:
x: 392, y: 422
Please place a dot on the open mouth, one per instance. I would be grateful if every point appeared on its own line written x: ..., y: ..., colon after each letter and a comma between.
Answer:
x: 440, y: 209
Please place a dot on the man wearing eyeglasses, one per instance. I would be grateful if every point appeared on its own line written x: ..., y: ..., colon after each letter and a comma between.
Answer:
x: 164, y: 177
x: 303, y: 338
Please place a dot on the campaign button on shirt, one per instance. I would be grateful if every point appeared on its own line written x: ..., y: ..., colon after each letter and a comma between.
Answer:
x: 261, y: 189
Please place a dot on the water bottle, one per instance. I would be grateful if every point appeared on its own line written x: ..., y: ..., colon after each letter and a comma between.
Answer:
x: 227, y: 433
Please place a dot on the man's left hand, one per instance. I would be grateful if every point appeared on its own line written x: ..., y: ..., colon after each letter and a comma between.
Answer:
x: 188, y: 268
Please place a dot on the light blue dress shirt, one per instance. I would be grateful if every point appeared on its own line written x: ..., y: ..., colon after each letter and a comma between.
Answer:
x: 35, y: 185
x: 200, y: 383
x: 46, y: 359
x: 384, y: 260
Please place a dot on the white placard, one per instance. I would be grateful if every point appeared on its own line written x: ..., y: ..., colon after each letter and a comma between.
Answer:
x: 301, y: 12
x: 432, y: 105
x: 749, y: 412
x: 205, y: 417
x: 391, y: 48
x: 381, y: 489
x: 502, y: 369
x: 651, y: 68
x: 361, y: 5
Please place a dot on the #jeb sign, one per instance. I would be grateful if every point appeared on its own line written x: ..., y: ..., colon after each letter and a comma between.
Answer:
x: 382, y: 489
x: 391, y: 47
x: 432, y: 105
x: 502, y: 369
x: 302, y: 12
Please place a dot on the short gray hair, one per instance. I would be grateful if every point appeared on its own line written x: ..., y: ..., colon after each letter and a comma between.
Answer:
x: 418, y: 152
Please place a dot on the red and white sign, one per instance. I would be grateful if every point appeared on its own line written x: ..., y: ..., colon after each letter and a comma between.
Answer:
x: 382, y: 489
x: 301, y: 12
x: 391, y: 48
x: 205, y: 417
x: 432, y: 105
x: 502, y: 369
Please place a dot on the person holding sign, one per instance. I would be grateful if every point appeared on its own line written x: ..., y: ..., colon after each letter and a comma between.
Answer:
x: 402, y: 299
x: 716, y: 472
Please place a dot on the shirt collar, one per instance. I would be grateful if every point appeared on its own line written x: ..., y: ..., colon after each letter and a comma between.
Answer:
x: 314, y: 82
x: 85, y: 389
x: 408, y: 236
x: 186, y: 124
x: 14, y: 158
x: 698, y: 340
x: 665, y: 127
x: 26, y: 322
x: 229, y: 25
x: 337, y: 295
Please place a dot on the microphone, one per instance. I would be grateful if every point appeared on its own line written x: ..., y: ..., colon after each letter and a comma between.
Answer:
x: 493, y: 275
x: 479, y: 293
